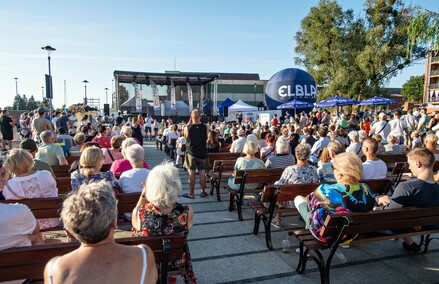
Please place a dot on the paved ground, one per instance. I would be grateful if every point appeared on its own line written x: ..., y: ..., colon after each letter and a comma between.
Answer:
x: 224, y: 250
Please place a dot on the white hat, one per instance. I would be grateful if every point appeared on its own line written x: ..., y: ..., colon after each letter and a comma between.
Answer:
x: 382, y: 114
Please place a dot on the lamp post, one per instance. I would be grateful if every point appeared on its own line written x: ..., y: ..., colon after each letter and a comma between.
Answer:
x: 106, y: 95
x: 49, y: 50
x: 85, y: 90
x: 254, y: 91
x: 16, y: 86
x: 112, y: 91
x: 42, y: 92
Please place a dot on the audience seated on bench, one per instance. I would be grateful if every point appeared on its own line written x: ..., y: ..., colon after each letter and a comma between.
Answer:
x: 95, y: 232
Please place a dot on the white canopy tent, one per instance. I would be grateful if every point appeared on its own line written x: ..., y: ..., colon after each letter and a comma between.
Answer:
x: 241, y: 106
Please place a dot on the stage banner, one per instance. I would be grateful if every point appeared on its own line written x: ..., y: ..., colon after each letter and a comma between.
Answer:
x: 138, y: 95
x: 155, y: 95
x: 190, y: 98
x: 173, y: 103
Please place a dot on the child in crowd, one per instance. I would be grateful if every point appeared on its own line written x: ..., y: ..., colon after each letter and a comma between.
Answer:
x: 417, y: 141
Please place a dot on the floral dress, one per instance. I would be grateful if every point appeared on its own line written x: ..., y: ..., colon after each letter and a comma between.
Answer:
x: 155, y: 223
x: 77, y: 179
x: 298, y: 174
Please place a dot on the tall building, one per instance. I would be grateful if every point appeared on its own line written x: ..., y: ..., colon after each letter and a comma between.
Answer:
x: 431, y: 82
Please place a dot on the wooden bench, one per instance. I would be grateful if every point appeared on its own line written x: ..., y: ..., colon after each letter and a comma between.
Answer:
x: 392, y: 159
x: 243, y: 177
x: 51, y: 207
x: 282, y: 193
x: 71, y: 159
x: 64, y: 171
x: 29, y: 262
x: 366, y: 225
x: 222, y: 170
x: 64, y: 185
x: 222, y: 156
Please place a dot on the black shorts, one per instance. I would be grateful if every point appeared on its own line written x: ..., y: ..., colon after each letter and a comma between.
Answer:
x: 8, y: 135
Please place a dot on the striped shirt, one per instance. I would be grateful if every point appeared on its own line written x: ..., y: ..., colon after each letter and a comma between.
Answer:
x: 280, y: 161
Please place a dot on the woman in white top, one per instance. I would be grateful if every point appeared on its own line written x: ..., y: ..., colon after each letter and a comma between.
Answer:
x: 28, y: 184
x: 99, y: 259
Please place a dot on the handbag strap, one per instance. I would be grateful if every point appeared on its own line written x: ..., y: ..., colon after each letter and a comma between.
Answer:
x: 109, y: 153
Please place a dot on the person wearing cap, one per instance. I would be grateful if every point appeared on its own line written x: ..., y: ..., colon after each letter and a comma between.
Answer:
x: 238, y: 144
x: 397, y: 127
x: 381, y: 127
x: 49, y: 152
x: 31, y: 146
x: 40, y: 124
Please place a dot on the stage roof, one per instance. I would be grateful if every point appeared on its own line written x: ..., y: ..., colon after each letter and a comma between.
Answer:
x: 179, y: 78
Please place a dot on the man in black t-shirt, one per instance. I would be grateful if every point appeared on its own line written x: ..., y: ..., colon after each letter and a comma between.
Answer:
x: 422, y: 191
x: 6, y: 124
x: 196, y: 153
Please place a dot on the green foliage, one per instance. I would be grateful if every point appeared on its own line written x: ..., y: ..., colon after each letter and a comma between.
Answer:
x: 413, y: 89
x: 354, y: 57
x: 123, y: 97
x: 32, y: 104
x: 424, y: 31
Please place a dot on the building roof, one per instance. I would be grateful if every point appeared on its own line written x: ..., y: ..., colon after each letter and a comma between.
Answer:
x: 179, y: 78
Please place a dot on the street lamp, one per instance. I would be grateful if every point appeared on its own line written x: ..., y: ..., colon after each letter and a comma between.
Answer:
x: 254, y: 91
x: 42, y: 92
x: 106, y: 95
x: 85, y: 89
x: 16, y: 86
x: 49, y: 50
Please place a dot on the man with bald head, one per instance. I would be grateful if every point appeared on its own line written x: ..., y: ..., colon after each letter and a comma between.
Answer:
x: 196, y: 153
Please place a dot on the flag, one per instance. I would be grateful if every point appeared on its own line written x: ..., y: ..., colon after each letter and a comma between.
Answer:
x: 173, y: 104
x: 155, y: 95
x: 201, y: 97
x: 190, y: 98
x: 138, y: 97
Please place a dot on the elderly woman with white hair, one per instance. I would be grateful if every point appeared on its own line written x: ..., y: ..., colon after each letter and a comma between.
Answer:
x: 122, y: 165
x: 99, y: 258
x: 355, y: 146
x: 283, y: 158
x: 158, y: 212
x: 131, y: 180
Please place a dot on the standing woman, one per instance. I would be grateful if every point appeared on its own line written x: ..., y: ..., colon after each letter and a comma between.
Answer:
x: 137, y: 130
x: 159, y: 213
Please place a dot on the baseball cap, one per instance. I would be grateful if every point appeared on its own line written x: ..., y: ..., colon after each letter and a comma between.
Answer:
x: 382, y: 114
x: 41, y: 110
x: 28, y: 144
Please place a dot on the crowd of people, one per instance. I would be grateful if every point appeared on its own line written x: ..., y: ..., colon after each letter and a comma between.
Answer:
x: 336, y: 150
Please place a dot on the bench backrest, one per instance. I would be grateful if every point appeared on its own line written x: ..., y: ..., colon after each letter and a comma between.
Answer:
x: 64, y: 171
x: 222, y: 156
x: 287, y: 192
x: 51, y: 207
x: 392, y: 159
x: 223, y: 165
x: 258, y: 176
x: 71, y: 159
x: 63, y: 184
x: 380, y: 220
x: 29, y: 262
x: 378, y: 186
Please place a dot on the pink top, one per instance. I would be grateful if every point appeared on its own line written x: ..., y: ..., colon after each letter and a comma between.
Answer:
x: 120, y: 166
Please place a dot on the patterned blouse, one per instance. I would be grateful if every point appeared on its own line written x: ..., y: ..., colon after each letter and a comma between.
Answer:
x: 79, y: 179
x: 155, y: 223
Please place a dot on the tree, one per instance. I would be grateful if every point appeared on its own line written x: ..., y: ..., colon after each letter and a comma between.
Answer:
x: 423, y: 30
x: 31, y: 103
x: 327, y: 44
x: 413, y: 89
x: 354, y: 57
x: 123, y: 97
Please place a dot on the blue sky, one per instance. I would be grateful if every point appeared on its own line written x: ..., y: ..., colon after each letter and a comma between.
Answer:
x: 94, y: 38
